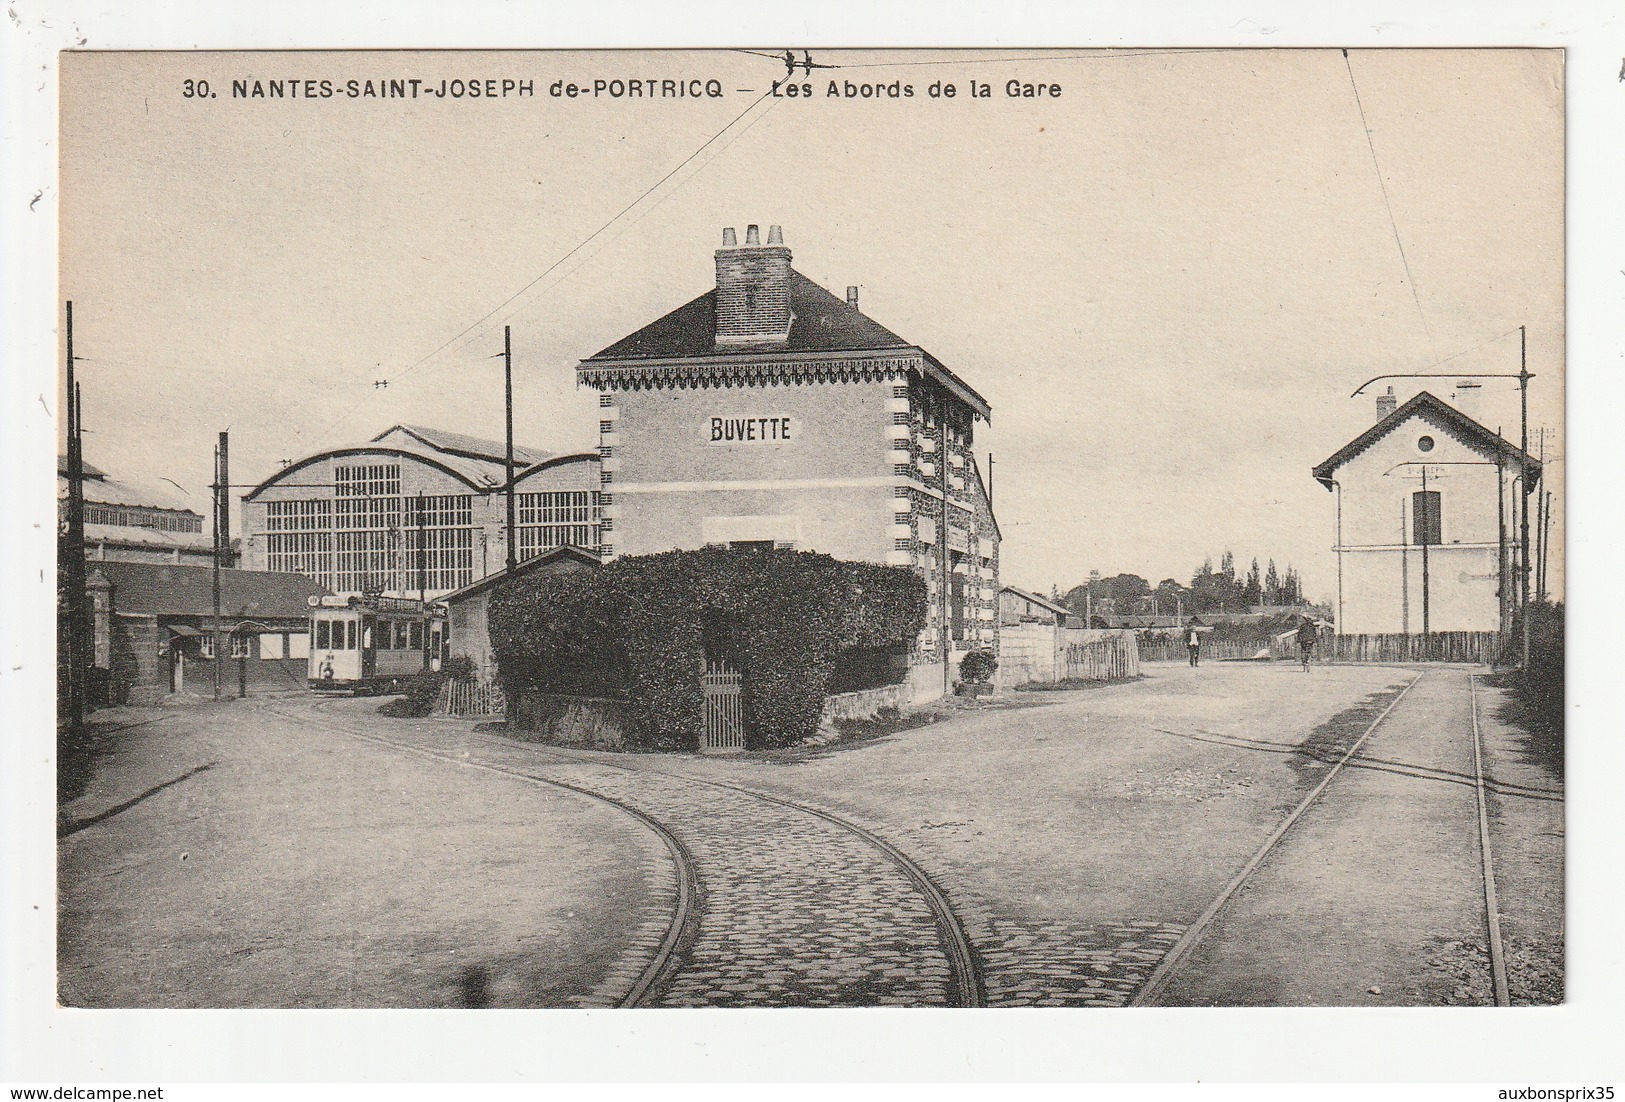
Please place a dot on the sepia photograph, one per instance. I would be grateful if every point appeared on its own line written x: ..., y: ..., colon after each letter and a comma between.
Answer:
x: 811, y: 528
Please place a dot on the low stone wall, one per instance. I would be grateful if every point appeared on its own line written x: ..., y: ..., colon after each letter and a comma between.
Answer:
x: 864, y: 704
x: 595, y: 723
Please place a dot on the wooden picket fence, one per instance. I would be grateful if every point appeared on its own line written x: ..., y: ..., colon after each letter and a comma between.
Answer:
x: 470, y: 698
x: 1482, y: 647
x: 1155, y: 649
x: 1100, y: 659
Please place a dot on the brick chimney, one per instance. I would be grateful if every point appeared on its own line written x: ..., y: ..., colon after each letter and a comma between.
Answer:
x: 852, y: 297
x: 753, y: 289
x: 1386, y: 404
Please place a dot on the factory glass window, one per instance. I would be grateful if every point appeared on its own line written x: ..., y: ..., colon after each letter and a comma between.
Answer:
x: 299, y: 538
x: 553, y: 519
x: 367, y: 480
x: 1427, y: 522
x: 159, y: 519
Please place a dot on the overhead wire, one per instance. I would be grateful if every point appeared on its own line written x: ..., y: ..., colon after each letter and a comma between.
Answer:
x: 469, y: 329
x: 1393, y: 223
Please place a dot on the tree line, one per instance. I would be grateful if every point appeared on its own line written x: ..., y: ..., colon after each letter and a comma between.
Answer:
x: 1209, y: 590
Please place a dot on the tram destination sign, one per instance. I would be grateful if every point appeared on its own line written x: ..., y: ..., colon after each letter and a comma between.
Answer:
x: 733, y: 430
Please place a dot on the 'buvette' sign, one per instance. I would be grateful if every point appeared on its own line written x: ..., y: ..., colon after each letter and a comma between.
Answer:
x: 729, y: 430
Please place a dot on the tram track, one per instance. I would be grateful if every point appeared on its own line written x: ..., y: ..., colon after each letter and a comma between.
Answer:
x: 967, y: 985
x: 1179, y: 955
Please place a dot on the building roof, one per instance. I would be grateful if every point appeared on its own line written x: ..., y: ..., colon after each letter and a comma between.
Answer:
x: 551, y: 557
x: 470, y: 447
x: 130, y: 536
x: 1042, y: 602
x: 144, y: 493
x: 821, y: 323
x: 166, y: 589
x: 1441, y: 415
x: 481, y: 464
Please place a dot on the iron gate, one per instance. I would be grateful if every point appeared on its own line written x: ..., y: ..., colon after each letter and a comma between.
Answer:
x: 724, y: 708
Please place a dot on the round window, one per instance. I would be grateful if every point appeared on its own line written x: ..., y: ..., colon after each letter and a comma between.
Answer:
x: 1425, y: 444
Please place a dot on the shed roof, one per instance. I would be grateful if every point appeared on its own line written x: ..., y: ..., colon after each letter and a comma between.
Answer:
x: 1444, y: 417
x: 1042, y: 602
x: 166, y: 589
x: 568, y: 553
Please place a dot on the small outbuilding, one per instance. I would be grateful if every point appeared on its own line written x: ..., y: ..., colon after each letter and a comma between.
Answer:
x: 468, y: 608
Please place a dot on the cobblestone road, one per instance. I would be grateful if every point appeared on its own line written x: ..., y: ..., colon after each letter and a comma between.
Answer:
x: 797, y: 911
x: 794, y: 910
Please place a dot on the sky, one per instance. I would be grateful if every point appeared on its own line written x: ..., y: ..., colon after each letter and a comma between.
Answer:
x: 1166, y: 281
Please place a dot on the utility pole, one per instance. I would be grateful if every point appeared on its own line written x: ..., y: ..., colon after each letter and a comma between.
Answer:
x: 74, y: 568
x: 507, y: 377
x: 942, y: 545
x: 222, y: 536
x: 423, y: 578
x: 1501, y: 594
x: 1427, y: 538
x: 1523, y: 538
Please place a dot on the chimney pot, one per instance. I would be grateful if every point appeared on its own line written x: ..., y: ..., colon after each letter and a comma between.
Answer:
x: 775, y: 235
x: 729, y: 238
x: 1386, y: 404
x: 753, y: 235
x: 852, y: 297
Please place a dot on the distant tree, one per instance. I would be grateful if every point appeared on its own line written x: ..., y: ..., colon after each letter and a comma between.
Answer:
x: 1253, y: 592
x: 1171, y: 597
x: 1272, y: 585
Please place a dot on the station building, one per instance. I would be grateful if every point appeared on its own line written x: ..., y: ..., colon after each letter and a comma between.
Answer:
x: 770, y: 412
x: 1426, y: 521
x: 416, y: 512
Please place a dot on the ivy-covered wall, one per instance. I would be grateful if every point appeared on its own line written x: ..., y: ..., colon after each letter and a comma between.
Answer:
x: 642, y: 625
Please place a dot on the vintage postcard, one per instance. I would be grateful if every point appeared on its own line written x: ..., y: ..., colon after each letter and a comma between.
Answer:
x: 811, y: 528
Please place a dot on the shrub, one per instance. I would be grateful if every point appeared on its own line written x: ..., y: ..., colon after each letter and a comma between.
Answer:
x: 638, y: 628
x: 422, y: 690
x: 978, y: 666
x: 1539, y: 685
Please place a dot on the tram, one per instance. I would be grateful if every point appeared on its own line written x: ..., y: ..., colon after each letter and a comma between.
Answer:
x: 372, y: 644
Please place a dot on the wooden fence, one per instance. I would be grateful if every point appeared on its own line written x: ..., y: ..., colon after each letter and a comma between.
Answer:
x: 1483, y: 647
x: 470, y: 698
x: 1162, y: 649
x: 1099, y: 659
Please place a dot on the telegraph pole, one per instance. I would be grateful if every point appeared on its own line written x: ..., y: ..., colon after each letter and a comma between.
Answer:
x: 74, y: 568
x: 423, y: 578
x: 1523, y: 538
x: 222, y: 533
x: 507, y: 378
x: 1427, y: 538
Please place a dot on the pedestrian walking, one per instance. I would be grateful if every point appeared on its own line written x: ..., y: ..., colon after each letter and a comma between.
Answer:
x: 1193, y: 643
x: 1308, y: 634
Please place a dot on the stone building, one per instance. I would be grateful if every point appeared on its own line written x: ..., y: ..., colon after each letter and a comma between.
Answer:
x: 1426, y: 522
x: 416, y: 511
x: 154, y: 629
x: 769, y: 411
